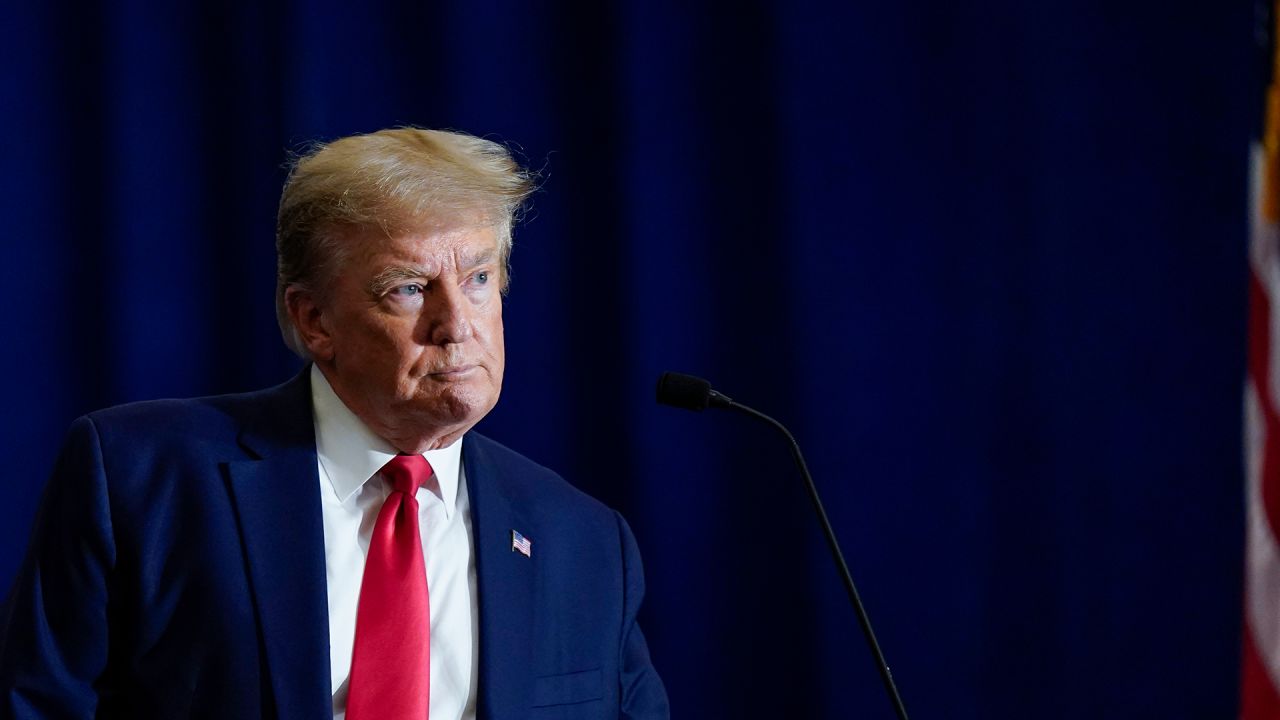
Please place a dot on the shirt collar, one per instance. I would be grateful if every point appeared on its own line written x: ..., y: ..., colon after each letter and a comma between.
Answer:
x: 350, y: 453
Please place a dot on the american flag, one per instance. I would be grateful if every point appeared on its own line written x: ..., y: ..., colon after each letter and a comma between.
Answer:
x: 1260, y: 667
x: 521, y: 544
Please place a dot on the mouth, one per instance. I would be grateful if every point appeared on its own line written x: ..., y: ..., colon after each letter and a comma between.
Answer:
x: 454, y: 372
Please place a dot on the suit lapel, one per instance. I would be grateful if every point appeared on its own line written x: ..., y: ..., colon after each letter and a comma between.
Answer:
x: 506, y: 587
x: 278, y: 507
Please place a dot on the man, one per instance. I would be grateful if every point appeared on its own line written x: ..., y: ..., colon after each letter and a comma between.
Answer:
x: 340, y: 545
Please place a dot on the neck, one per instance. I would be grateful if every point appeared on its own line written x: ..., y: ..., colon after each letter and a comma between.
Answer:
x: 418, y: 444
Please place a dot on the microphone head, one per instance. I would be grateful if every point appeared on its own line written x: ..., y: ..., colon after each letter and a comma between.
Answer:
x: 684, y: 391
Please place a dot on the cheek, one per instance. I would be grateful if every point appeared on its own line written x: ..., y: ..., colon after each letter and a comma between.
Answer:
x: 391, y: 337
x: 402, y: 352
x: 382, y: 348
x: 497, y: 347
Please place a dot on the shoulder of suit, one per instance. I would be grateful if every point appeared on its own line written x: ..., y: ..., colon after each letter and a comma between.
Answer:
x: 528, y: 481
x: 215, y: 419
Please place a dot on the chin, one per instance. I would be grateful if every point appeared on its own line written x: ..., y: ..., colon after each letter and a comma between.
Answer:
x: 460, y: 405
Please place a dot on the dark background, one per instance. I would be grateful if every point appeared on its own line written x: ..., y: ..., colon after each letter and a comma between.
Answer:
x: 986, y: 259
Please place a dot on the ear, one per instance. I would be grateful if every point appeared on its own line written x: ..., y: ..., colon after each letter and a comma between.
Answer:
x: 308, y: 317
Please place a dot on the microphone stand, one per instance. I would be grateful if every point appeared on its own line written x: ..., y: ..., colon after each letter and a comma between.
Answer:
x: 694, y: 393
x: 885, y: 676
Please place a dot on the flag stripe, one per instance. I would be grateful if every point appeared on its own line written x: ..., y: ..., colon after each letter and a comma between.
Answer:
x: 1258, y: 698
x: 1260, y: 646
x: 1260, y: 369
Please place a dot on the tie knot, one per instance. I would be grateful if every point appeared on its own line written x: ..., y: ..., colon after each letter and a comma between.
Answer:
x: 407, y: 473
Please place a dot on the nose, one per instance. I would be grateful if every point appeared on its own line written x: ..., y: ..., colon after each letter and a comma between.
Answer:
x: 447, y: 315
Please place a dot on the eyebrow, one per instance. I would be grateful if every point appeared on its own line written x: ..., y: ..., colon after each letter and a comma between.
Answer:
x: 388, y: 278
x: 480, y: 258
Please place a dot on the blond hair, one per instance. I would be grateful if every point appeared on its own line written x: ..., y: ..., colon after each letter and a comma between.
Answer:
x: 393, y: 181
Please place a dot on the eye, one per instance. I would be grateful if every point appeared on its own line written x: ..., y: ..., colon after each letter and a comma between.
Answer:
x: 482, y: 277
x: 410, y: 290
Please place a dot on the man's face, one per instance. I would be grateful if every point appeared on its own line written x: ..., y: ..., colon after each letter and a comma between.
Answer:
x: 410, y: 335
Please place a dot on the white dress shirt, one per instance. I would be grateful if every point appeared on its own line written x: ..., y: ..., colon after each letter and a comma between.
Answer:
x: 350, y: 456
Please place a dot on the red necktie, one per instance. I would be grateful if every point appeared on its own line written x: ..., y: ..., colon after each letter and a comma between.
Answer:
x: 391, y: 661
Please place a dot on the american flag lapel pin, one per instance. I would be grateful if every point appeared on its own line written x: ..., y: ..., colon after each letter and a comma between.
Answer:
x: 521, y: 544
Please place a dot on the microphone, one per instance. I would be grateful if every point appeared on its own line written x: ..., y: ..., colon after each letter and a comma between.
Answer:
x: 689, y: 393
x: 694, y: 393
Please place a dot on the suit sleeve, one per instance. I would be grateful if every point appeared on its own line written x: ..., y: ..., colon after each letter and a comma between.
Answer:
x: 642, y: 693
x: 53, y: 626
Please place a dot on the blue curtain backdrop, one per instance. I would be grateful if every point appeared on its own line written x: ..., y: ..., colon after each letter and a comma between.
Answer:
x: 986, y: 259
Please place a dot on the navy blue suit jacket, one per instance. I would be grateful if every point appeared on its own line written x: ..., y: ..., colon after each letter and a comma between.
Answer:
x: 177, y: 570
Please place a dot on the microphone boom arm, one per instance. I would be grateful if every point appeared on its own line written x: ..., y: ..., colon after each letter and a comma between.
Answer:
x: 885, y: 675
x: 694, y: 393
